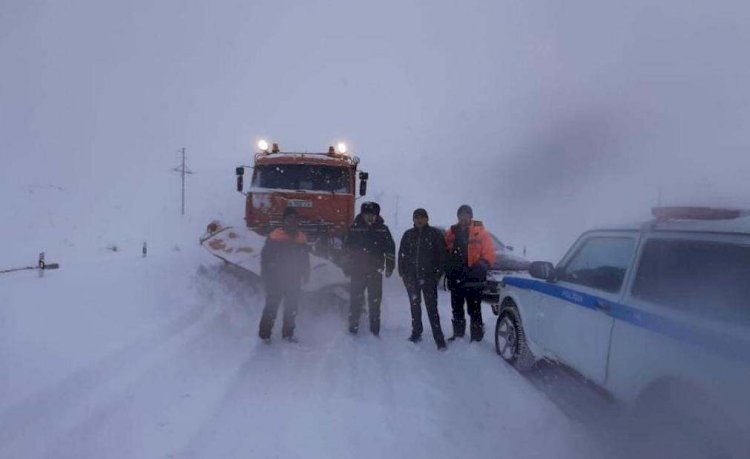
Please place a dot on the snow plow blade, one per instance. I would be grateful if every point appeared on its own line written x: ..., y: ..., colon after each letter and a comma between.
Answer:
x: 241, y: 247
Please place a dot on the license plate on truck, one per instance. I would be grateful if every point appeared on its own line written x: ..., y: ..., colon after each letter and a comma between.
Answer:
x: 299, y: 203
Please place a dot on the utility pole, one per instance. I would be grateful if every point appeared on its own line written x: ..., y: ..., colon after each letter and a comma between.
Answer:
x: 183, y: 170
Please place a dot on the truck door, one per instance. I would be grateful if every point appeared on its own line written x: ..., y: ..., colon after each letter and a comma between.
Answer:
x: 577, y: 325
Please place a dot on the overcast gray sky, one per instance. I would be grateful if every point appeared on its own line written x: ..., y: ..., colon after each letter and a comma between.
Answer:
x: 547, y: 116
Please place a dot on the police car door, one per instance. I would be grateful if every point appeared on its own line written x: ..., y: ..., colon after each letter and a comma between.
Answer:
x: 589, y: 282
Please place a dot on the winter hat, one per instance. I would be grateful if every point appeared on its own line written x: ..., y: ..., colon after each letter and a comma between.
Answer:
x: 465, y: 209
x: 420, y: 213
x: 289, y: 211
x: 370, y: 207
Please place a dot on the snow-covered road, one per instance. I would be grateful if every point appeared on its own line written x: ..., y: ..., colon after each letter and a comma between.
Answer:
x: 159, y: 357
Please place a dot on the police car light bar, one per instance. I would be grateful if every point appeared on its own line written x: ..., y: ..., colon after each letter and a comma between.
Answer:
x: 695, y: 213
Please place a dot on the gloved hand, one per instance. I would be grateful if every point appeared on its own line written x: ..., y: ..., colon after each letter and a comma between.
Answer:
x: 478, y: 272
x: 486, y: 265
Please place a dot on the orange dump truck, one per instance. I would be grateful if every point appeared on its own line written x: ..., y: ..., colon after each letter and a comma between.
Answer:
x: 322, y: 187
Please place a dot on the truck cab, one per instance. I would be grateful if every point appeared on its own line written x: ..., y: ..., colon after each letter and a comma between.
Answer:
x: 320, y: 186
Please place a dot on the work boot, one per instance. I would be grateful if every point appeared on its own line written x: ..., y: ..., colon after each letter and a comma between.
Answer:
x: 442, y: 346
x: 415, y: 338
x: 353, y: 329
x: 477, y: 332
x: 459, y: 329
x: 291, y: 339
x: 375, y: 327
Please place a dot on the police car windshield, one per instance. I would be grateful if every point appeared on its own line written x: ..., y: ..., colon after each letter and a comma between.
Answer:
x: 302, y: 177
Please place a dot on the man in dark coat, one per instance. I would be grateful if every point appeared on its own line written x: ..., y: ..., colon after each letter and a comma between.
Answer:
x: 284, y: 267
x: 370, y: 251
x: 421, y: 258
x: 470, y: 255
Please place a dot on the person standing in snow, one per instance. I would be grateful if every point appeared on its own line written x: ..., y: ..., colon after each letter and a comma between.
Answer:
x: 370, y: 251
x: 470, y: 255
x: 284, y: 267
x: 421, y: 256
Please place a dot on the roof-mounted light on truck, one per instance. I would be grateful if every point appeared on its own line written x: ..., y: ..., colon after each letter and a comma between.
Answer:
x: 275, y: 148
x: 263, y: 145
x: 695, y: 213
x: 341, y: 148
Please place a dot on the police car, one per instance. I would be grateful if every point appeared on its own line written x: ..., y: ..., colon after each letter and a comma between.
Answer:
x: 647, y: 312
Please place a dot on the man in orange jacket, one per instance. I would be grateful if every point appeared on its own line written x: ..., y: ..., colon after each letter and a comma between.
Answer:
x: 470, y: 255
x: 284, y: 267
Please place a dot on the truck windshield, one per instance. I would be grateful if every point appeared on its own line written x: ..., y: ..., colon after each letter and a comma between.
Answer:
x: 302, y: 177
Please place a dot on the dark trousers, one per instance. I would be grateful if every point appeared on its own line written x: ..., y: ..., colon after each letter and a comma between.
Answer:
x: 427, y: 288
x: 373, y: 284
x: 274, y: 297
x: 473, y: 299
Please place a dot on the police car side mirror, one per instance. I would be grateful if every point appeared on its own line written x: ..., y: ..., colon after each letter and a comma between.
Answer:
x: 542, y: 270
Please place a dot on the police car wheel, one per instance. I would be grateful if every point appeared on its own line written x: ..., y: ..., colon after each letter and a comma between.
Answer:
x: 510, y: 340
x: 506, y: 338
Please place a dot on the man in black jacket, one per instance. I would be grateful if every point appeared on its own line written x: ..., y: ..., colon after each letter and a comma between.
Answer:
x: 421, y: 256
x: 284, y: 267
x: 369, y: 249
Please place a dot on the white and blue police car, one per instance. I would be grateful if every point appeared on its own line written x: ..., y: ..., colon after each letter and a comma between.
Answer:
x: 646, y: 312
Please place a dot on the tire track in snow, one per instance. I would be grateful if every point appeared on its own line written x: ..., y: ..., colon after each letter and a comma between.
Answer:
x: 22, y: 423
x: 167, y: 399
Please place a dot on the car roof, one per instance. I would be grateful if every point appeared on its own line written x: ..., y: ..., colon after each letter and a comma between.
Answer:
x: 740, y: 225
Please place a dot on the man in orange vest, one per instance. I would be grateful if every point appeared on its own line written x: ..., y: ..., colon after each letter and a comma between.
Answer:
x: 470, y: 255
x: 284, y: 267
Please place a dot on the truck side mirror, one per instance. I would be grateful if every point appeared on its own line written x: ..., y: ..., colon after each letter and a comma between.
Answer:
x: 363, y: 176
x: 240, y: 171
x: 542, y: 270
